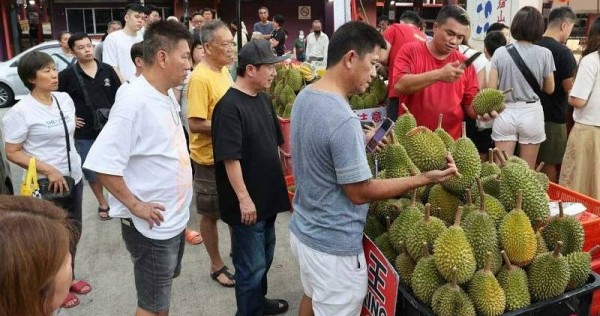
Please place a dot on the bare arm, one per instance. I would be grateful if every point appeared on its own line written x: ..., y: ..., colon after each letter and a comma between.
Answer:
x: 380, y: 189
x: 200, y: 126
x: 481, y: 78
x: 16, y: 155
x: 121, y: 78
x: 247, y: 207
x: 493, y: 79
x: 150, y: 212
x: 567, y: 84
x: 549, y: 84
x: 577, y: 102
x: 413, y: 83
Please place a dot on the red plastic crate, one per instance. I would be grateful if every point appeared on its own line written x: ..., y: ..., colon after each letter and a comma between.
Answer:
x: 289, y: 180
x: 591, y: 226
x: 286, y: 161
x: 595, y: 308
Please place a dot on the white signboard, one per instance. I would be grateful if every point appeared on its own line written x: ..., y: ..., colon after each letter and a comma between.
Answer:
x: 484, y: 13
x: 304, y: 12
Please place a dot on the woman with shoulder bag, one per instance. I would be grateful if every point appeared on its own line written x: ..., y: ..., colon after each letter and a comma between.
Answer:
x: 42, y: 125
x: 527, y: 69
x: 580, y: 166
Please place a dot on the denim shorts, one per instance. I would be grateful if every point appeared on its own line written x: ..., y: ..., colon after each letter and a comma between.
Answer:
x: 155, y: 264
x: 83, y: 148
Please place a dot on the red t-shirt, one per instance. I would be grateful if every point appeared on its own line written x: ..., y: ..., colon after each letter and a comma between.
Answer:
x: 397, y: 35
x: 450, y: 99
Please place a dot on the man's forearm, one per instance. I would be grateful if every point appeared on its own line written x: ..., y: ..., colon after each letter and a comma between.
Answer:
x: 117, y: 187
x: 381, y: 189
x: 200, y: 126
x: 234, y: 174
x: 410, y: 84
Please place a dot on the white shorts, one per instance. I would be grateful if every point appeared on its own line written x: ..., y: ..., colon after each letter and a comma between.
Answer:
x: 337, y: 285
x: 522, y: 122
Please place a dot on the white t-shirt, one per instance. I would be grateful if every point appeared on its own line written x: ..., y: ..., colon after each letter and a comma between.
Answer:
x: 144, y: 143
x: 40, y: 128
x: 116, y: 51
x: 587, y: 87
x: 317, y: 47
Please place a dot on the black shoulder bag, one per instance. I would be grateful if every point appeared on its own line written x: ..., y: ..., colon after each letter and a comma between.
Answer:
x: 47, y: 194
x: 99, y: 115
x: 516, y: 57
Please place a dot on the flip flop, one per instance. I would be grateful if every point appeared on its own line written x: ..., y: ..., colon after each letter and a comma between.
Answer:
x: 193, y: 237
x: 103, y: 213
x: 77, y: 288
x: 70, y: 297
x: 224, y: 270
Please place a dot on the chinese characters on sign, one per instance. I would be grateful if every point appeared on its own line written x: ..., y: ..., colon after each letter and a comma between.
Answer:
x: 375, y: 115
x: 486, y: 12
x: 382, y: 283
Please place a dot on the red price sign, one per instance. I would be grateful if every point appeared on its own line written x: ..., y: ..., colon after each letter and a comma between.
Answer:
x: 383, y: 283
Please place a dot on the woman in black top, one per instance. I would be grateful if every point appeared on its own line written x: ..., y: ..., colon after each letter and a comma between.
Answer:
x: 278, y: 35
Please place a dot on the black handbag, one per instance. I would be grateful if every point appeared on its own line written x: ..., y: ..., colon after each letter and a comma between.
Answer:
x: 45, y: 192
x: 99, y: 115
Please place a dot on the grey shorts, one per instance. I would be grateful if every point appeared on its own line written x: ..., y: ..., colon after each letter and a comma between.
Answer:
x: 155, y: 264
x: 205, y: 187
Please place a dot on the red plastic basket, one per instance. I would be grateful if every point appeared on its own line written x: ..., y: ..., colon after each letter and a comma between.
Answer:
x: 591, y: 226
x: 289, y: 181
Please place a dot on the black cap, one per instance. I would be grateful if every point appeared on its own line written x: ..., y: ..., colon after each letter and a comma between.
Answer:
x: 258, y: 52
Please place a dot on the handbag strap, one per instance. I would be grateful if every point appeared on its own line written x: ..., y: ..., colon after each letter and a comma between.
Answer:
x: 86, y: 96
x: 62, y: 117
x: 516, y: 57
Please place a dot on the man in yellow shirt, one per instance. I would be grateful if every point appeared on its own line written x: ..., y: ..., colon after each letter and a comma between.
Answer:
x: 208, y: 83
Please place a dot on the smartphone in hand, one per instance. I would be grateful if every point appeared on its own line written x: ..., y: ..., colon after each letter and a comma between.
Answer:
x: 382, y: 130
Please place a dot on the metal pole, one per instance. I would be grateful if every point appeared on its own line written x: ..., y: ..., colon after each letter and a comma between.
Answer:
x: 239, y: 24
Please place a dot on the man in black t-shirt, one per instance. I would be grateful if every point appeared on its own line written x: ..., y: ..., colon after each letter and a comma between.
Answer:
x: 250, y: 183
x: 100, y: 82
x: 560, y: 25
x: 278, y: 35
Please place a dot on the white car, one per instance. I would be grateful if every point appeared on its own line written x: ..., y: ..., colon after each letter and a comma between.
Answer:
x: 11, y: 86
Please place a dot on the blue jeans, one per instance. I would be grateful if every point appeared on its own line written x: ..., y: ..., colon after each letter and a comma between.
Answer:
x: 253, y: 247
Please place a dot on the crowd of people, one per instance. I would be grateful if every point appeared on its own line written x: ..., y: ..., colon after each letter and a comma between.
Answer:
x: 190, y: 106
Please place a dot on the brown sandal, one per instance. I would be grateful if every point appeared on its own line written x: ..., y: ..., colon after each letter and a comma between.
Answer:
x: 224, y: 270
x: 103, y: 213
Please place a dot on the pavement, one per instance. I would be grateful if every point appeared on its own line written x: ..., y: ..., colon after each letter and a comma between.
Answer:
x: 103, y: 261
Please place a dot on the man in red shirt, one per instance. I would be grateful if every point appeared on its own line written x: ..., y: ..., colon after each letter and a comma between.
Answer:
x: 397, y: 35
x: 431, y: 78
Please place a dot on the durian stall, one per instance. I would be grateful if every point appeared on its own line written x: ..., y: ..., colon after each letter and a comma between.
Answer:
x: 484, y: 242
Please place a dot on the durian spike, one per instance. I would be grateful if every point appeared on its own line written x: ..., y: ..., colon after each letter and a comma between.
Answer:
x: 440, y: 118
x: 403, y: 247
x: 405, y: 108
x: 509, y: 265
x: 427, y: 212
x: 519, y: 201
x: 488, y: 262
x: 561, y: 212
x: 454, y: 273
x: 540, y: 166
x: 490, y: 155
x: 481, y: 195
x: 388, y: 223
x: 458, y: 216
x: 557, y: 248
x: 594, y: 250
x: 507, y: 91
x: 464, y: 130
x: 426, y: 250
